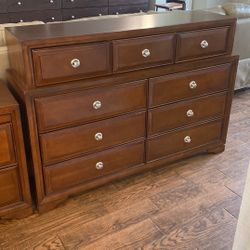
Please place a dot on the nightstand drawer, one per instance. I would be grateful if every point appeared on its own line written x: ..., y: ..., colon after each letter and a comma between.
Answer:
x: 71, y: 62
x: 203, y: 43
x: 143, y: 52
x: 81, y: 170
x: 7, y: 151
x: 184, y: 113
x: 190, y: 84
x: 72, y: 142
x: 9, y: 186
x: 90, y: 105
x: 176, y: 142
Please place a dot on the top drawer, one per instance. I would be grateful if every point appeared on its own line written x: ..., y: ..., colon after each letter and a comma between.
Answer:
x: 7, y: 152
x: 203, y: 43
x: 89, y: 105
x: 28, y: 5
x: 143, y: 52
x: 71, y: 62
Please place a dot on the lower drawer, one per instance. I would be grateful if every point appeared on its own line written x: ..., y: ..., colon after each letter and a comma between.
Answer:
x: 78, y: 171
x: 184, y: 113
x: 9, y: 187
x: 72, y: 142
x: 182, y: 140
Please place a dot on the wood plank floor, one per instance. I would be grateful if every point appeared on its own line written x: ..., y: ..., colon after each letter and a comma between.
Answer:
x: 193, y: 205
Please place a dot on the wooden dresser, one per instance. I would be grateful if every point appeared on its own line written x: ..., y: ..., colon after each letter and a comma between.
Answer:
x: 15, y: 199
x: 106, y: 99
x: 58, y: 10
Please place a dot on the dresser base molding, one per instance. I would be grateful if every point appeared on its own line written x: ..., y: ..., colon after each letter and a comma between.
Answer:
x: 17, y: 211
x: 54, y: 200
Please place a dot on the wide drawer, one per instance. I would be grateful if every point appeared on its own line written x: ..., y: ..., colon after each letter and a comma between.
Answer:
x: 29, y: 5
x: 203, y: 43
x: 71, y: 142
x: 71, y: 62
x: 143, y: 52
x: 81, y: 170
x: 89, y: 105
x: 68, y: 14
x: 7, y: 151
x: 181, y: 114
x: 83, y: 3
x: 9, y: 186
x: 28, y: 16
x: 174, y: 142
x: 190, y: 84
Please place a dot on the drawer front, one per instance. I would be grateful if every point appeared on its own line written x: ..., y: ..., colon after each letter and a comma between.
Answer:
x: 126, y: 2
x: 72, y: 142
x: 89, y: 105
x: 7, y: 151
x: 185, y: 113
x: 3, y: 6
x: 71, y: 62
x: 77, y: 171
x: 84, y: 3
x: 204, y: 43
x: 9, y: 187
x: 29, y: 5
x: 28, y: 16
x: 185, y: 85
x: 170, y: 143
x: 123, y: 9
x: 143, y: 52
x: 69, y: 14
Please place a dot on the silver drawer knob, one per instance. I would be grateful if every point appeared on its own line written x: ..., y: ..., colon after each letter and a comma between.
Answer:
x: 190, y: 113
x: 187, y: 139
x: 146, y: 53
x: 98, y: 136
x: 19, y: 3
x: 72, y: 17
x: 204, y: 44
x: 75, y: 63
x: 53, y: 18
x: 193, y: 85
x: 51, y: 1
x: 97, y: 105
x: 99, y: 165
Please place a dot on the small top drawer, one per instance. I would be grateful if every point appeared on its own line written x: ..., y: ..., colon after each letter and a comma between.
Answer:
x: 89, y: 105
x: 203, y: 43
x: 172, y: 88
x: 143, y: 52
x: 7, y: 152
x: 71, y: 62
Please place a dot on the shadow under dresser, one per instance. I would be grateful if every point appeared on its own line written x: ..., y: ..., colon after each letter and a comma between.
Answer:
x: 108, y: 99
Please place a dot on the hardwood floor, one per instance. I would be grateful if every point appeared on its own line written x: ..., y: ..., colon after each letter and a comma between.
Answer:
x: 193, y: 205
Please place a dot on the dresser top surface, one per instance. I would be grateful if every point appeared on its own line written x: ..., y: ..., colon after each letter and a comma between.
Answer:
x: 120, y: 24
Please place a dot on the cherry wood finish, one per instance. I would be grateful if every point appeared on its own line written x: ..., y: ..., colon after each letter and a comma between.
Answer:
x: 15, y: 199
x: 140, y: 99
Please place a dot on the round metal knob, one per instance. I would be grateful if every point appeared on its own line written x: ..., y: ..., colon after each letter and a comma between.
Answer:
x: 75, y: 63
x: 117, y: 13
x: 98, y: 136
x: 97, y: 105
x: 193, y: 85
x: 146, y: 53
x: 190, y: 113
x: 72, y: 17
x: 52, y: 18
x: 21, y: 21
x: 100, y: 14
x: 204, y: 44
x: 187, y: 139
x: 51, y: 1
x: 72, y: 1
x: 19, y: 3
x: 99, y: 165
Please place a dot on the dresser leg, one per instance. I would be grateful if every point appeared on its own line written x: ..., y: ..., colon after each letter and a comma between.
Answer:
x: 216, y: 150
